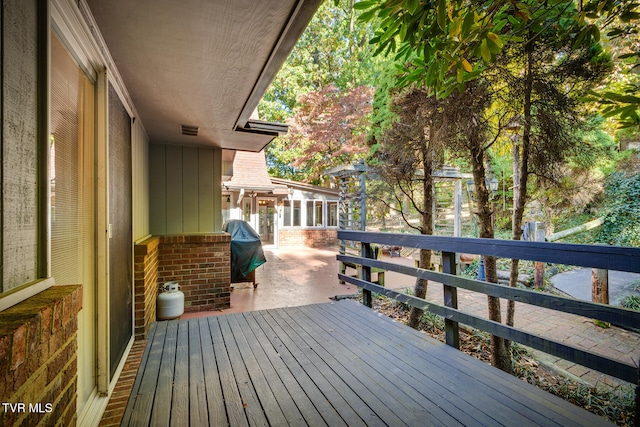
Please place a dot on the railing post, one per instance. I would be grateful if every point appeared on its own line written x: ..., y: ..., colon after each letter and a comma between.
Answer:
x: 366, y: 252
x: 452, y: 331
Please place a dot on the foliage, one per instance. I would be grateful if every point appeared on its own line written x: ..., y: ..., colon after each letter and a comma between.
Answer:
x: 329, y: 128
x: 621, y: 209
x: 615, y: 405
x: 455, y: 39
x: 408, y: 151
x: 632, y: 302
x: 625, y: 105
x: 332, y: 52
x: 619, y: 98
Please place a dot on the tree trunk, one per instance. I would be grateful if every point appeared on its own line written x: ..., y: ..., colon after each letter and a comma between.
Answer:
x: 420, y: 290
x: 520, y: 201
x: 500, y: 357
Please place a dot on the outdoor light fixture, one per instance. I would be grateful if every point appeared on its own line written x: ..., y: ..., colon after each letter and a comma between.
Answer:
x: 493, y: 185
x: 470, y: 186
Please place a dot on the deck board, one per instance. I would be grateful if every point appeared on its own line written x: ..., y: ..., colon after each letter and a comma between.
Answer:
x: 325, y: 364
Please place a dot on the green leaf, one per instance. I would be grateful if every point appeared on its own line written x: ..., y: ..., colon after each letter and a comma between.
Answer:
x: 412, y: 5
x: 595, y: 33
x: 429, y: 78
x: 484, y: 51
x: 367, y: 16
x: 362, y: 5
x: 441, y: 10
x: 468, y: 22
x: 495, y: 39
x: 491, y: 44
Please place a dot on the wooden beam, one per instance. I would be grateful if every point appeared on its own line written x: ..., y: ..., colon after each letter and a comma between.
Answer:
x: 575, y: 230
x: 615, y: 315
x: 608, y: 257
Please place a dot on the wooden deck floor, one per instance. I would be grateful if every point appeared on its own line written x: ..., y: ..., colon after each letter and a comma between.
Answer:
x: 333, y: 364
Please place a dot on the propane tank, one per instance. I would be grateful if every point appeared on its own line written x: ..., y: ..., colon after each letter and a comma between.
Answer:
x: 170, y: 302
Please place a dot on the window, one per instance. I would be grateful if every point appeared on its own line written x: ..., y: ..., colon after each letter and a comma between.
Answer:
x: 71, y: 170
x: 291, y: 213
x: 23, y: 143
x: 246, y: 210
x: 332, y: 209
x: 315, y: 213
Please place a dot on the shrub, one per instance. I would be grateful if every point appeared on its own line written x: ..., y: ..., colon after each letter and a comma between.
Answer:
x: 621, y: 210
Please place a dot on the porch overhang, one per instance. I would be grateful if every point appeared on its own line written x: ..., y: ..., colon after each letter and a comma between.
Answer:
x: 200, y: 65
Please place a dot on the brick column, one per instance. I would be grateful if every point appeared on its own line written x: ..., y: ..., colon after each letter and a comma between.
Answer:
x: 38, y: 358
x: 201, y: 264
x: 145, y: 285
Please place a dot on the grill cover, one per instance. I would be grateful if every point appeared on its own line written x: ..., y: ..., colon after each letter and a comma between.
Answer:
x: 246, y: 249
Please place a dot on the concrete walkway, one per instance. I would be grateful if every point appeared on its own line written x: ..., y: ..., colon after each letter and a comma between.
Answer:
x: 577, y: 283
x: 304, y: 276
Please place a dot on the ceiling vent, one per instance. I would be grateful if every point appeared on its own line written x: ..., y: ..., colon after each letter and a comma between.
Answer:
x: 189, y: 130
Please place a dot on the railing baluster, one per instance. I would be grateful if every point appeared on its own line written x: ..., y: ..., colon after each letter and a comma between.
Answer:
x: 366, y: 252
x: 452, y: 332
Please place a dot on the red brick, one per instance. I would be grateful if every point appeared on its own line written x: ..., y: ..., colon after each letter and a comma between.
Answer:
x: 19, y: 346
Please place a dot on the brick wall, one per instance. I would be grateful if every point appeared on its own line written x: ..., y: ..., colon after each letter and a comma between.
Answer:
x: 38, y: 359
x: 314, y: 238
x: 145, y: 285
x: 201, y: 264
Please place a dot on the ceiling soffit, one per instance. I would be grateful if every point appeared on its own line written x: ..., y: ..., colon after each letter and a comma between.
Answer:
x: 203, y: 64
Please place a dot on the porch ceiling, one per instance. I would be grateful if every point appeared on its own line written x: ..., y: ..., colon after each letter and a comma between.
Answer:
x: 201, y: 63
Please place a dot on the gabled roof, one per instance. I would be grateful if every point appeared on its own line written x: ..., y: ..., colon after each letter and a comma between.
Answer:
x: 196, y: 70
x: 306, y: 187
x: 250, y: 173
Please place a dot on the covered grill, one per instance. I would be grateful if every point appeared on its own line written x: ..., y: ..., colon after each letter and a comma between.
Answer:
x: 246, y: 251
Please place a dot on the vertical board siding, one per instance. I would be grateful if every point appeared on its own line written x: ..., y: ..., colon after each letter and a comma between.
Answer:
x: 140, y: 150
x: 184, y: 190
x: 175, y: 199
x: 190, y: 189
x: 157, y: 190
x: 206, y: 190
x: 217, y: 190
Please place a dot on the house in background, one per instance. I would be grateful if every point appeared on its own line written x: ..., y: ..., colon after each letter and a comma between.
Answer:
x: 285, y: 213
x: 117, y: 117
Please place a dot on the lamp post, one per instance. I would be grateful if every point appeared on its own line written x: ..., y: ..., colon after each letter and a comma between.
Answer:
x: 493, y: 186
x: 470, y: 189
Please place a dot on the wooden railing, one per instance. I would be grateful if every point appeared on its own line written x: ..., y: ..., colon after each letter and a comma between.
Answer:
x: 604, y: 257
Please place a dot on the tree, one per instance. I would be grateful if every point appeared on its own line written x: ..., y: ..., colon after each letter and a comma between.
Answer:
x: 457, y: 42
x: 545, y: 98
x: 477, y: 128
x: 405, y: 155
x: 449, y: 42
x: 329, y: 128
x: 332, y: 52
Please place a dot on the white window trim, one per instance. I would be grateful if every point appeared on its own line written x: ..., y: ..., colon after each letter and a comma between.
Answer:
x: 304, y: 211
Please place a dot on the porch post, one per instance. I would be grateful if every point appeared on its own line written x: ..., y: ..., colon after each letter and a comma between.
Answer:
x: 366, y: 252
x: 452, y: 332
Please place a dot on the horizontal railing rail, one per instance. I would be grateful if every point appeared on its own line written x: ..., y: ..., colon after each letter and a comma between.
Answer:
x: 606, y: 257
x: 595, y: 256
x: 606, y: 313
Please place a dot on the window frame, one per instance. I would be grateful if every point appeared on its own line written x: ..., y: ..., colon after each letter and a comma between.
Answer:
x: 42, y: 275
